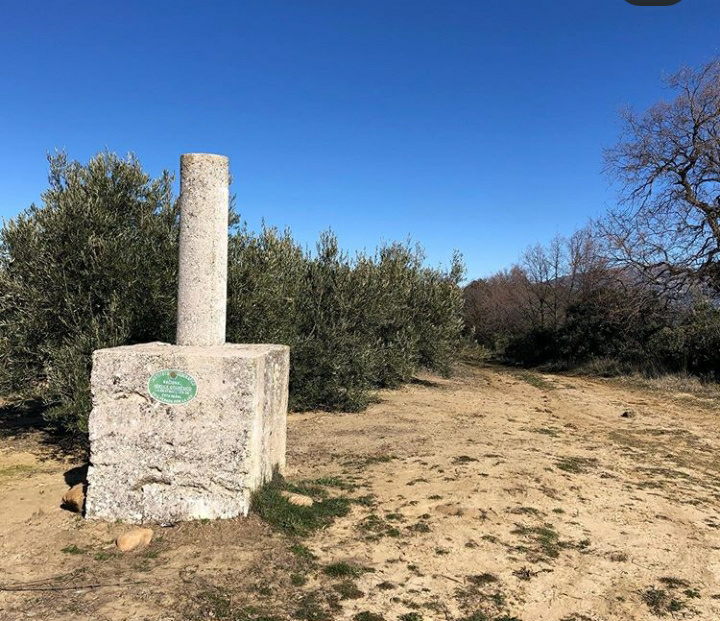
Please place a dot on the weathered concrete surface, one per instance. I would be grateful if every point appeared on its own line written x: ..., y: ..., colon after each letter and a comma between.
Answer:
x: 202, y: 271
x: 152, y: 462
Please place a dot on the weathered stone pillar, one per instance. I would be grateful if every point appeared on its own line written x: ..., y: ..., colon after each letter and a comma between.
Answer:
x: 202, y: 275
x: 188, y: 431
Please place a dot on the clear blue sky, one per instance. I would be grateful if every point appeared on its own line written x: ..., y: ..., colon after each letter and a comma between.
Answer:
x: 468, y: 124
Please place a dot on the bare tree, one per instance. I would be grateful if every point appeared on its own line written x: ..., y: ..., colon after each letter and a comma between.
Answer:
x: 544, y: 267
x: 497, y: 307
x: 535, y: 294
x: 668, y: 162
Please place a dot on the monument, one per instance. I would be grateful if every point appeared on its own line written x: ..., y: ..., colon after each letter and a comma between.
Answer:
x: 188, y: 431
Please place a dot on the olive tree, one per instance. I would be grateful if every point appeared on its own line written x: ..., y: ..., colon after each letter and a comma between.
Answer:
x: 94, y: 266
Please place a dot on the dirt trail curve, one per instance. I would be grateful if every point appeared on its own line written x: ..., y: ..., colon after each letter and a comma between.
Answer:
x: 494, y: 495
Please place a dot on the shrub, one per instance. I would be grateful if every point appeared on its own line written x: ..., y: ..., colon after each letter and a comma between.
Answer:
x: 352, y: 325
x: 96, y: 266
x: 702, y: 331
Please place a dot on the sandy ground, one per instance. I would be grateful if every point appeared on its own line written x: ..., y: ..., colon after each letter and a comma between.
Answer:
x: 492, y: 496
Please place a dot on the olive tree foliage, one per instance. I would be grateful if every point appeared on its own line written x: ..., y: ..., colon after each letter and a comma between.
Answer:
x: 94, y: 266
x: 353, y: 324
x: 668, y: 164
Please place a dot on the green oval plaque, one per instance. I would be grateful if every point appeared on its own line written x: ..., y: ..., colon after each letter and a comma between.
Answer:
x: 172, y: 387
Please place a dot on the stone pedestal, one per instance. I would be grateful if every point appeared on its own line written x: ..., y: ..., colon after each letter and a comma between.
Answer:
x: 188, y: 431
x: 157, y: 462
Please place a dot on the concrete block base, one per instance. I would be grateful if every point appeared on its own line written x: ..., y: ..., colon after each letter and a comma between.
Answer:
x: 158, y: 462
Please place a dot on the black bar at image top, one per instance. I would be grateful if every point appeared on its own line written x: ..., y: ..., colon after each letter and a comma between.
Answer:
x: 652, y: 2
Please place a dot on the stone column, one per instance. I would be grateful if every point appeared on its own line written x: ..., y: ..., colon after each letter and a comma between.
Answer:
x: 188, y: 431
x: 202, y: 275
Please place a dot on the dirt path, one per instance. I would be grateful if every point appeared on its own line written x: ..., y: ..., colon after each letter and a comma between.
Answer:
x: 493, y: 496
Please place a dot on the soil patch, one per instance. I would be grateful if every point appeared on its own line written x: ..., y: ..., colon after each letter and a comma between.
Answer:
x: 491, y: 496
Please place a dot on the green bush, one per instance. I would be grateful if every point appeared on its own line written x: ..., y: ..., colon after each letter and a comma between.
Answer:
x: 352, y: 325
x: 606, y: 327
x: 96, y: 266
x: 701, y: 332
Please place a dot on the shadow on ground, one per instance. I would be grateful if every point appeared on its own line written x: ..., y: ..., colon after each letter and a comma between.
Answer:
x: 23, y: 420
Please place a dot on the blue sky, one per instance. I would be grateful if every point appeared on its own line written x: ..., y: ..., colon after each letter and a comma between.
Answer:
x: 467, y: 124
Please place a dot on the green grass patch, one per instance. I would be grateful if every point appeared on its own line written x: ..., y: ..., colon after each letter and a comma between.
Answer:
x: 410, y: 616
x: 546, y: 539
x: 369, y: 500
x: 298, y: 580
x: 342, y: 569
x: 524, y: 511
x: 366, y: 615
x: 269, y: 503
x: 577, y: 465
x: 482, y: 579
x: 372, y: 523
x: 218, y: 604
x: 302, y: 552
x: 306, y: 488
x: 17, y: 470
x: 660, y: 602
x: 347, y: 589
x: 674, y: 583
x: 667, y: 600
x: 476, y: 616
x: 215, y: 604
x: 535, y: 380
x: 312, y: 608
x: 73, y: 549
x: 376, y: 527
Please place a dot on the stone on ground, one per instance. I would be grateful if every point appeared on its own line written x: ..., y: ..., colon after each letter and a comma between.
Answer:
x: 134, y: 539
x: 299, y: 500
x: 74, y: 498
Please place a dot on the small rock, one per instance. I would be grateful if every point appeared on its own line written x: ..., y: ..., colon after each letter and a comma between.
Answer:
x: 74, y: 498
x: 628, y: 414
x: 134, y: 539
x: 299, y: 500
